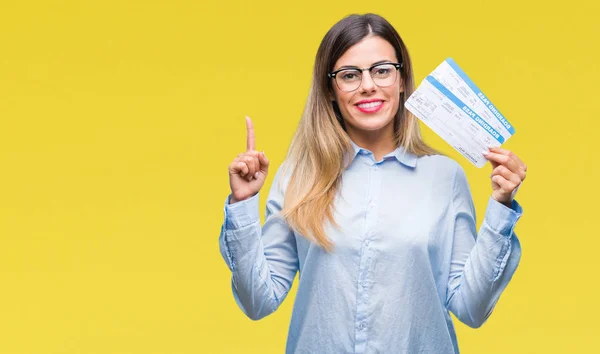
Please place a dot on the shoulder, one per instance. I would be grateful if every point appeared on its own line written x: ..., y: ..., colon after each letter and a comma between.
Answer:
x: 441, y: 166
x: 445, y: 173
x: 282, y: 176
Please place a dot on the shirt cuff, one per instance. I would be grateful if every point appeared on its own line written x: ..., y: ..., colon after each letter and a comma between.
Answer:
x: 242, y: 213
x: 502, y: 219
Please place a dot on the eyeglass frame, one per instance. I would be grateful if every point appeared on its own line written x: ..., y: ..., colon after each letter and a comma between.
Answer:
x: 332, y: 75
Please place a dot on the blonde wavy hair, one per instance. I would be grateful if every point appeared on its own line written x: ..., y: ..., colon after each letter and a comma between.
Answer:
x: 319, y: 151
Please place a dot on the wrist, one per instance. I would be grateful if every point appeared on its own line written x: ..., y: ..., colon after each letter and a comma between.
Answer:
x: 233, y: 199
x: 506, y: 203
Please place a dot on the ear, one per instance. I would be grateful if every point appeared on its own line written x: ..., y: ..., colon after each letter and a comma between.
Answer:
x: 401, y: 85
x: 331, y: 95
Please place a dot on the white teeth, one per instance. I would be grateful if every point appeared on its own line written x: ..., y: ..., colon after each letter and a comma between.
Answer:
x: 370, y: 104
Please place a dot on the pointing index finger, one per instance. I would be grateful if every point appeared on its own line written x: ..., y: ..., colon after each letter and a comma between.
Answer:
x: 250, y: 136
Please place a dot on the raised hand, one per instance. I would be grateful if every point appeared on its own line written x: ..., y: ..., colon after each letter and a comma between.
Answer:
x: 507, y: 175
x: 248, y: 171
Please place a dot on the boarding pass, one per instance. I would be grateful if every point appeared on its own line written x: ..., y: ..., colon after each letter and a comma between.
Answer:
x: 450, y: 103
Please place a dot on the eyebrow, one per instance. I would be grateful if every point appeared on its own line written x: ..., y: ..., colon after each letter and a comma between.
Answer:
x: 356, y: 67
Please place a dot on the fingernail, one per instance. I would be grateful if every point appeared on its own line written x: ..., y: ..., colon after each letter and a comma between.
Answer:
x: 485, y: 153
x: 256, y: 175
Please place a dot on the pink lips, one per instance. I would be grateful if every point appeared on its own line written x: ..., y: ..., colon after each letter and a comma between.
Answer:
x: 370, y: 109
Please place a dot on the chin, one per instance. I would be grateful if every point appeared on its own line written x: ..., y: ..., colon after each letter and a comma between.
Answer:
x: 371, y: 123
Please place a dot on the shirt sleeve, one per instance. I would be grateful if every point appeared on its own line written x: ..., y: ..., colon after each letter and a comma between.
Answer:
x: 263, y: 260
x: 482, y: 263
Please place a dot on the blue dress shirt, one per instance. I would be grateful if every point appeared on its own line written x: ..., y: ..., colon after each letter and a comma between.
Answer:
x: 407, y: 252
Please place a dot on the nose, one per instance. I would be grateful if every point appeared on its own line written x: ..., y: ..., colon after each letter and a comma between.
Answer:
x: 367, y: 84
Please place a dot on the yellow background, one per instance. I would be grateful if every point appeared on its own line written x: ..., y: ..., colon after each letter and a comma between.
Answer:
x: 118, y: 120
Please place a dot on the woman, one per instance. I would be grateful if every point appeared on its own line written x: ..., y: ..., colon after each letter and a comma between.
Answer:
x: 380, y: 226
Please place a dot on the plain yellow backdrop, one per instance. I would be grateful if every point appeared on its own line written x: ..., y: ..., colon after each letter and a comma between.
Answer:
x: 118, y: 120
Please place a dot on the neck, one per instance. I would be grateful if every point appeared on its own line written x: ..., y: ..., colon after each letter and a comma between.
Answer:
x: 378, y: 142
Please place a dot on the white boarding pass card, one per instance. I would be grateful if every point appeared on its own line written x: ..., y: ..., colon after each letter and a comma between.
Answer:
x: 450, y: 103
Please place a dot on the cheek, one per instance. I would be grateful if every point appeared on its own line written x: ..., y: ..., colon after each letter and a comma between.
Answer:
x: 394, y: 98
x: 396, y: 102
x: 343, y: 98
x: 344, y: 101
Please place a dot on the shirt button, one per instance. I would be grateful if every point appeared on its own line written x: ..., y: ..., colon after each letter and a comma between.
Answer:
x: 367, y: 242
x: 362, y: 326
x: 364, y: 284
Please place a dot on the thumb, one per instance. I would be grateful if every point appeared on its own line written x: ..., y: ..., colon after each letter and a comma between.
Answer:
x: 264, y: 162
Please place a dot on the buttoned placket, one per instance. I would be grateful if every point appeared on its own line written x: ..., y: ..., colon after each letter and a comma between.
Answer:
x: 363, y: 315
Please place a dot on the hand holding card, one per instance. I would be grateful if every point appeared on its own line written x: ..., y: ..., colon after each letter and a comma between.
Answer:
x: 449, y: 103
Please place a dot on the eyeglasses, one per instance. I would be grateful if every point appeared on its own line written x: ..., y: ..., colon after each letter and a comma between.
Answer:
x: 349, y: 79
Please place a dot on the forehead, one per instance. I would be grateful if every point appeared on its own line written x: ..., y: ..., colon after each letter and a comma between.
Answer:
x: 366, y: 52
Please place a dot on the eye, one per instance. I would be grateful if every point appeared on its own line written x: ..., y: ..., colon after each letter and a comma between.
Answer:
x: 349, y: 75
x: 382, y: 71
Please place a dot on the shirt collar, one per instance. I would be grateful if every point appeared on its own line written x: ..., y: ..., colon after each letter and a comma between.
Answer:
x: 403, y: 156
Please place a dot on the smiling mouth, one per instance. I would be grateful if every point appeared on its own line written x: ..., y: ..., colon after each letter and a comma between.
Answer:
x: 370, y: 107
